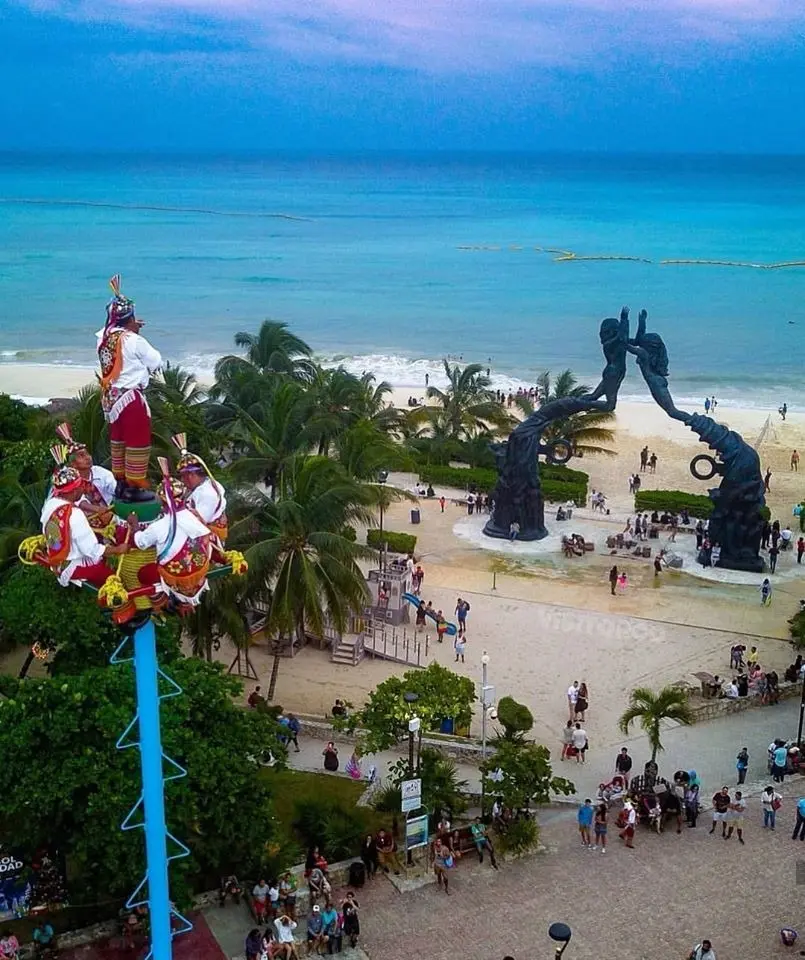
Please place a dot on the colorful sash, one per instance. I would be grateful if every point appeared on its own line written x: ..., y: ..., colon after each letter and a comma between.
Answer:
x: 57, y: 536
x: 186, y: 572
x: 219, y: 528
x: 99, y: 522
x: 114, y: 400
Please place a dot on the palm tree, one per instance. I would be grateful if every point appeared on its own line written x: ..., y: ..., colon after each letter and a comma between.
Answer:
x: 467, y: 406
x: 272, y: 350
x: 586, y: 432
x: 651, y: 709
x: 20, y: 507
x: 302, y: 552
x: 88, y: 423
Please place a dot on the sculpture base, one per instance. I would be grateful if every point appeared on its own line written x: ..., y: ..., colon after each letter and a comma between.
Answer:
x: 491, y: 529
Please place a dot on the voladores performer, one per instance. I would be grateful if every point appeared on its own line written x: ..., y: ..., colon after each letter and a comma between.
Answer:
x: 128, y: 361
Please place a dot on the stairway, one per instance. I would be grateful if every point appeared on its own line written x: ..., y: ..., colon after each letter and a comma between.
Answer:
x: 347, y: 650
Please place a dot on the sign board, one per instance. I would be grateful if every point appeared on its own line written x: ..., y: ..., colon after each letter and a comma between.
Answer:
x: 413, y: 804
x: 416, y: 832
x: 411, y: 789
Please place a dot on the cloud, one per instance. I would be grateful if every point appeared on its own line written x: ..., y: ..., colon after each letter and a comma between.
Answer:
x: 449, y: 36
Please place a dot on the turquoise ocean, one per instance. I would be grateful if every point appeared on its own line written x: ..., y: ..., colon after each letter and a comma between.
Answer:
x: 389, y: 263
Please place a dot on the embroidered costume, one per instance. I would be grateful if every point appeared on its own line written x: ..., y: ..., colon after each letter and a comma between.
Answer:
x: 205, y: 495
x: 99, y: 489
x: 127, y: 363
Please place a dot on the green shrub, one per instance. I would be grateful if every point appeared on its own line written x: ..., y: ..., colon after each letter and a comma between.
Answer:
x: 387, y: 799
x: 515, y: 718
x: 797, y: 628
x: 396, y: 542
x: 335, y: 829
x: 558, y: 483
x: 520, y: 837
x: 673, y: 501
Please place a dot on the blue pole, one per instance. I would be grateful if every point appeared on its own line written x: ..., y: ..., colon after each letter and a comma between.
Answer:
x: 156, y: 847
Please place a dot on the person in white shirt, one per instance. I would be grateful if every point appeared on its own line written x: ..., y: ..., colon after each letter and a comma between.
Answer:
x: 285, y: 928
x: 73, y: 551
x: 99, y: 489
x: 572, y: 697
x: 127, y: 363
x: 579, y: 738
x: 703, y: 951
x: 206, y: 496
x: 732, y: 691
x: 183, y: 545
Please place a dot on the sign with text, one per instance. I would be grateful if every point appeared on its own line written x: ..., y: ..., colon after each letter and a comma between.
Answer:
x: 411, y: 791
x: 416, y: 832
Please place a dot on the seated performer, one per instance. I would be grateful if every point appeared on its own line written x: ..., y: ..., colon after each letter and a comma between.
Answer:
x: 99, y: 489
x: 127, y: 364
x: 73, y: 551
x: 183, y: 544
x: 206, y: 497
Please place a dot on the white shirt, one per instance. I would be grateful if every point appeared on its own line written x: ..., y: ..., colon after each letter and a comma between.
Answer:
x: 84, y: 546
x: 140, y: 360
x: 785, y: 535
x: 156, y: 534
x: 579, y: 738
x: 767, y: 799
x: 631, y: 817
x: 701, y: 954
x: 732, y: 692
x: 572, y: 694
x: 285, y: 931
x: 205, y: 500
x: 104, y: 482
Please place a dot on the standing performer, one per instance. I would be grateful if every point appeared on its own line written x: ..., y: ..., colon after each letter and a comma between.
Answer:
x: 73, y: 551
x: 99, y: 488
x: 183, y: 544
x: 127, y: 363
x: 206, y: 497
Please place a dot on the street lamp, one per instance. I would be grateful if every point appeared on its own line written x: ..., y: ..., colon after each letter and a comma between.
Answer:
x: 801, y: 713
x: 560, y: 933
x: 487, y: 700
x: 382, y: 476
x: 413, y: 727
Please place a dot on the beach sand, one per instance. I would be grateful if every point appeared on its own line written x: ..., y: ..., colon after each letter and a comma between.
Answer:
x: 548, y: 620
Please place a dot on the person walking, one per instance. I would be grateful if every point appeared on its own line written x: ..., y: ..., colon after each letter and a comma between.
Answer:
x: 442, y: 502
x: 462, y: 609
x: 774, y: 553
x: 582, y: 701
x: 800, y: 549
x: 460, y: 645
x: 643, y: 459
x: 692, y: 802
x: 721, y: 809
x: 585, y: 818
x: 580, y: 743
x: 795, y: 462
x: 613, y: 580
x: 442, y: 858
x: 567, y: 739
x: 294, y: 726
x: 799, y: 827
x: 736, y: 817
x: 771, y: 801
x: 765, y: 587
x: 742, y: 765
x: 600, y: 827
x: 630, y: 817
x: 369, y: 855
x: 767, y: 480
x: 623, y: 765
x: 652, y: 463
x: 703, y: 951
x: 779, y: 761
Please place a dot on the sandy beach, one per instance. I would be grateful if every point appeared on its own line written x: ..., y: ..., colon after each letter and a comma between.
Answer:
x: 548, y: 621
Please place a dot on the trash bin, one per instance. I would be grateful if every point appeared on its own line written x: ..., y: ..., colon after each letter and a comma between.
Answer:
x: 415, y: 515
x: 446, y: 725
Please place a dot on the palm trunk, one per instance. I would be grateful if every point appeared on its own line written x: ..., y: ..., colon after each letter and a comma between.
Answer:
x: 275, y: 669
x: 26, y: 666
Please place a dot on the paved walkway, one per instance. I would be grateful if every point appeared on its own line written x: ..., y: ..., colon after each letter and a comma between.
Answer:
x: 709, y: 748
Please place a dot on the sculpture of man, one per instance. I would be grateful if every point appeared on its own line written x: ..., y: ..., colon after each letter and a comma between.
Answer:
x: 127, y: 363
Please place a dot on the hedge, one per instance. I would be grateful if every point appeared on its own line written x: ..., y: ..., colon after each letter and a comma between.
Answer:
x: 558, y: 483
x: 395, y: 542
x: 674, y: 500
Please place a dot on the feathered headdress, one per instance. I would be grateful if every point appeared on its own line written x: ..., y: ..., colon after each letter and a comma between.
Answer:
x: 65, y: 479
x: 191, y: 462
x: 64, y: 433
x: 120, y: 308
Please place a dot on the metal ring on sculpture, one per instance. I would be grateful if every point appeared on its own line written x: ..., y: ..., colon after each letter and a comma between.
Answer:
x: 559, y: 451
x: 705, y: 458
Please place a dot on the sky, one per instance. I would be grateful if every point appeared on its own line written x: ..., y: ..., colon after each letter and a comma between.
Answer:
x: 225, y: 76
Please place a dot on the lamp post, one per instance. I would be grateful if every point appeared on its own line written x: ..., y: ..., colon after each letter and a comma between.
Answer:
x: 485, y: 704
x: 801, y: 713
x: 413, y: 727
x: 560, y: 933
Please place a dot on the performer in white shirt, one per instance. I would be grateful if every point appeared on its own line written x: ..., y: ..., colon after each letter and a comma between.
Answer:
x: 73, y: 551
x: 206, y: 496
x: 99, y: 489
x: 183, y: 543
x: 127, y: 363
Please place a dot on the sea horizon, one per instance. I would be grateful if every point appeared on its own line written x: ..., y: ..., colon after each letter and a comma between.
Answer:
x: 389, y: 261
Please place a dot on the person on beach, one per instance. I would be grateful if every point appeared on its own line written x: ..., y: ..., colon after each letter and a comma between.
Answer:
x: 460, y: 645
x: 767, y: 480
x: 420, y: 615
x: 585, y: 818
x: 470, y: 504
x: 721, y: 808
x: 462, y: 609
x: 643, y: 459
x: 441, y: 626
x: 706, y: 405
x: 582, y: 702
x: 766, y: 591
x: 795, y: 461
x: 567, y: 739
x: 623, y: 582
x: 600, y: 827
x: 572, y: 697
x: 613, y: 580
x: 783, y: 411
x: 442, y: 858
x: 442, y: 502
x: 652, y: 463
x: 623, y: 764
x: 742, y: 764
x: 580, y: 742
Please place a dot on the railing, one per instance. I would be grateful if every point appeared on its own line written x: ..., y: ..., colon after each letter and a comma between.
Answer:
x: 392, y: 644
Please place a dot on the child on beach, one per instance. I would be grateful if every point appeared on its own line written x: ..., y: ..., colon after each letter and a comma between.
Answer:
x: 623, y: 582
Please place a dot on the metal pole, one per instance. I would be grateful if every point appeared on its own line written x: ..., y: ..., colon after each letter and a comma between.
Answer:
x: 145, y: 665
x: 801, y: 714
x: 484, y: 665
x: 409, y: 856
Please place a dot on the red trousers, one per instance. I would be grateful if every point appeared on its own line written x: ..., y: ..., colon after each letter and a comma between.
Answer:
x: 130, y: 440
x: 94, y: 573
